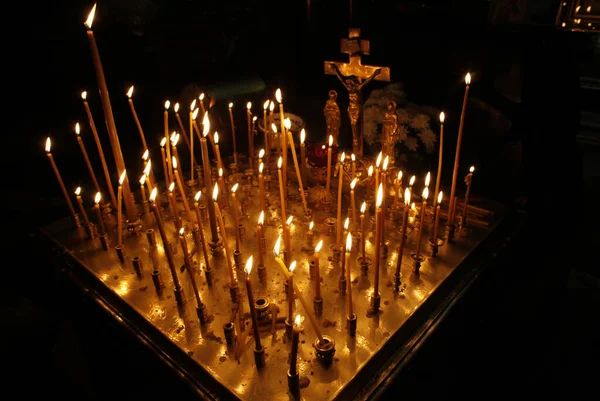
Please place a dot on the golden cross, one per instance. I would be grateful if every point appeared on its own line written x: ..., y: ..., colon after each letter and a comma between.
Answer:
x: 356, y: 47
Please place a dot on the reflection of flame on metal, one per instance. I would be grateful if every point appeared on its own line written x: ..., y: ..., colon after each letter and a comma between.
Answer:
x: 123, y: 288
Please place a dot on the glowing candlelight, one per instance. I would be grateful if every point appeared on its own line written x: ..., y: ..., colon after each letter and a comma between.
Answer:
x: 250, y: 136
x: 281, y: 188
x: 219, y: 160
x: 182, y: 193
x: 135, y: 117
x: 398, y: 188
x: 377, y: 170
x: 440, y: 154
x: 317, y: 270
x: 148, y: 171
x: 422, y: 218
x: 363, y: 209
x: 247, y: 270
x: 411, y: 182
x: 215, y: 196
x: 86, y: 158
x: 173, y: 205
x: 230, y: 108
x: 163, y: 143
x: 284, y: 145
x: 403, y: 231
x: 338, y: 242
x: 468, y: 180
x: 201, y: 229
x: 437, y: 218
x: 297, y: 167
x: 60, y: 181
x: 185, y: 136
x: 259, y: 235
x: 86, y: 221
x: 207, y: 180
x: 353, y: 158
x: 348, y: 277
x: 120, y: 209
x: 377, y: 239
x: 97, y: 199
x: 236, y: 218
x: 143, y: 180
x: 168, y: 144
x: 201, y: 101
x: 261, y: 154
x: 352, y: 200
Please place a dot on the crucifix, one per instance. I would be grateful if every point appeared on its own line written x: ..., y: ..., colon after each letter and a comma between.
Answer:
x: 354, y: 76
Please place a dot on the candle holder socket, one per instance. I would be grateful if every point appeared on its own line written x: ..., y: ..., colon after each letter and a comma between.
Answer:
x: 351, y: 324
x: 262, y: 306
x: 146, y: 207
x: 326, y: 203
x: 120, y: 249
x: 202, y: 314
x: 356, y: 237
x: 106, y: 208
x: 342, y: 285
x: 375, y: 302
x: 417, y: 260
x: 104, y: 241
x: 179, y: 296
x: 158, y: 283
x: 289, y: 327
x: 335, y: 253
x: 398, y: 286
x: 293, y: 381
x: 133, y: 226
x: 312, y: 269
x: 384, y: 250
x: 237, y: 259
x: 234, y: 293
x: 229, y: 332
x: 151, y: 237
x: 242, y: 230
x: 137, y: 265
x: 262, y: 273
x: 216, y: 248
x: 450, y: 231
x: 372, y: 224
x: 233, y: 167
x: 208, y: 272
x: 89, y: 231
x: 330, y: 224
x: 325, y: 351
x: 364, y: 265
x: 248, y: 187
x: 318, y: 306
x: 203, y: 212
x: 259, y: 357
x: 307, y: 215
x: 310, y: 236
x: 434, y: 247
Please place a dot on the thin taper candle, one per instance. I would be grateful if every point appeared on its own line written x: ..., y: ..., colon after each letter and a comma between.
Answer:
x: 436, y: 226
x: 291, y: 291
x: 259, y: 236
x: 233, y: 132
x: 284, y: 144
x: 328, y: 186
x: 86, y: 158
x: 207, y: 180
x: 440, y: 154
x: 182, y: 193
x: 163, y: 143
x: 403, y: 230
x: 188, y: 266
x: 135, y: 117
x: 281, y: 188
x: 86, y: 221
x: 317, y: 270
x: 363, y: 234
x: 247, y: 270
x: 298, y: 174
x: 201, y: 228
x: 422, y: 218
x: 183, y: 132
x: 219, y: 216
x: 236, y: 218
x: 466, y: 205
x: 348, y: 276
x: 338, y: 242
x: 261, y: 187
x: 97, y: 200
x: 377, y: 239
x: 168, y: 144
x: 120, y: 209
x: 60, y: 181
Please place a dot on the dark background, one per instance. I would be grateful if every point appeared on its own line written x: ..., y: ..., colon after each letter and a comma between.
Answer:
x: 531, y: 326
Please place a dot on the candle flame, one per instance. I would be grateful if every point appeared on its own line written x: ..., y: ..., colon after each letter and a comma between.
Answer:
x: 426, y: 193
x: 205, y: 125
x: 195, y: 114
x: 472, y: 169
x: 48, y: 144
x: 271, y: 106
x: 288, y: 222
x: 277, y: 246
x: 413, y: 207
x: 379, y: 195
x: 77, y: 129
x: 98, y: 197
x: 385, y: 163
x: 468, y: 78
x: 589, y: 9
x: 122, y: 177
x: 292, y: 266
x: 181, y: 231
x: 148, y: 167
x: 171, y: 187
x: 215, y: 194
x: 261, y: 217
x: 406, y: 196
x: 302, y: 136
x: 142, y: 179
x: 84, y: 95
x: 279, y: 162
x: 163, y: 142
x: 287, y: 123
x: 167, y: 105
x: 248, y: 267
x: 330, y: 140
x: 153, y: 194
x: 176, y: 107
x: 260, y: 168
x: 400, y: 175
x: 193, y: 105
x: 378, y: 161
x: 261, y: 153
x: 343, y: 157
x: 201, y: 97
x: 174, y: 162
x: 353, y: 183
x: 370, y: 171
x: 427, y: 179
x: 278, y: 95
x: 145, y: 155
x: 442, y: 117
x: 78, y: 191
x: 348, y: 244
x: 216, y: 137
x: 130, y: 92
x: 254, y: 119
x: 319, y: 246
x: 249, y: 105
x: 235, y: 187
x: 363, y: 208
x: 220, y: 172
x: 90, y: 18
x: 412, y: 180
x: 440, y: 196
x: 577, y: 9
x: 346, y: 223
x: 273, y: 128
x: 298, y: 320
x: 311, y: 225
x: 197, y: 196
x: 174, y: 139
x: 266, y: 104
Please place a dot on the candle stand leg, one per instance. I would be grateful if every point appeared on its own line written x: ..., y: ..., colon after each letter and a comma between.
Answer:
x: 342, y: 284
x: 330, y: 224
x: 104, y: 241
x: 293, y: 381
x: 450, y: 230
x: 234, y: 293
x: 325, y: 351
x: 364, y: 265
x: 259, y: 357
x: 120, y: 253
x: 318, y: 306
x: 137, y: 265
x: 158, y: 283
x: 289, y: 326
x: 351, y: 324
x: 312, y: 267
x: 335, y: 253
x: 179, y: 296
x: 417, y: 260
x: 375, y: 303
x: 262, y: 273
x: 202, y: 314
x: 229, y: 332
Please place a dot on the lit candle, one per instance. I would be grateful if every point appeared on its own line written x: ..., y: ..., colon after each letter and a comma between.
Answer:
x: 265, y: 125
x: 219, y: 160
x: 468, y: 179
x: 283, y: 135
x: 422, y: 218
x: 135, y: 117
x: 398, y: 189
x: 163, y: 143
x: 363, y: 209
x: 377, y: 171
x: 207, y: 180
x: 353, y: 158
x: 411, y: 182
x: 261, y: 154
x: 148, y: 171
x: 192, y: 154
x: 457, y: 155
x: 261, y: 187
x: 259, y: 235
x: 86, y: 158
x: 166, y: 246
x: 60, y: 181
x: 348, y: 277
x: 250, y: 136
x: 281, y: 188
x: 377, y: 240
x: 188, y: 266
x: 143, y: 180
x: 174, y: 142
x: 86, y: 221
x: 201, y: 229
x: 173, y: 205
x: 185, y: 135
x: 97, y: 200
x: 352, y: 200
x: 343, y: 269
x: 291, y: 291
x: 403, y: 231
x: 247, y: 270
x: 370, y: 175
x: 317, y: 270
x: 286, y: 238
x: 338, y: 243
x: 168, y: 144
x: 298, y: 174
x: 223, y: 187
x: 303, y: 155
x: 276, y: 137
x: 182, y: 194
x: 236, y: 218
x: 233, y: 132
x: 132, y: 211
x: 120, y: 209
x: 271, y: 108
x: 294, y: 352
x: 327, y: 188
x: 111, y: 191
x: 201, y: 101
x: 440, y: 153
x: 437, y: 217
x: 215, y: 196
